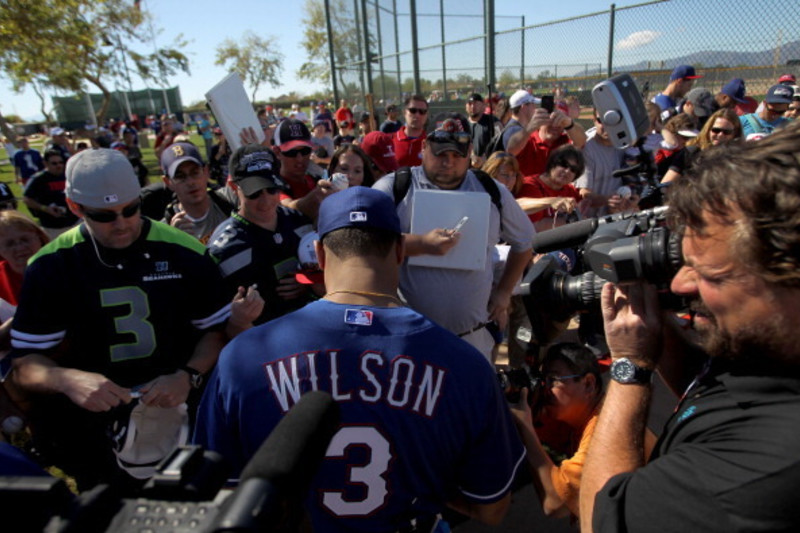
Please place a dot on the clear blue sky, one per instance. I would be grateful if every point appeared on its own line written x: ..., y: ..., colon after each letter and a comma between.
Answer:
x: 206, y: 23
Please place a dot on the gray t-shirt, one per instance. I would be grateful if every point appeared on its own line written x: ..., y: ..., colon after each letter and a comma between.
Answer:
x: 457, y: 299
x: 601, y: 161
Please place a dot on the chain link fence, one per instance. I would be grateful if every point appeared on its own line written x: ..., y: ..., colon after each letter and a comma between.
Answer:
x: 392, y: 48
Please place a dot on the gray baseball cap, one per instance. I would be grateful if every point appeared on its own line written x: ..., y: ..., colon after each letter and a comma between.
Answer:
x: 101, y: 178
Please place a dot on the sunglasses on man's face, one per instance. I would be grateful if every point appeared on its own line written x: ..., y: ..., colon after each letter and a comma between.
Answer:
x: 417, y: 111
x: 458, y: 137
x: 104, y: 217
x: 304, y: 151
x: 256, y: 195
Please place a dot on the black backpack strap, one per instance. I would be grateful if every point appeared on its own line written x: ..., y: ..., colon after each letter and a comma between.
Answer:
x: 402, y: 181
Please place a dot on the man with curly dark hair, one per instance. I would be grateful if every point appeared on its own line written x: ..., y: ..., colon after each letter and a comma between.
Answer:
x: 727, y: 460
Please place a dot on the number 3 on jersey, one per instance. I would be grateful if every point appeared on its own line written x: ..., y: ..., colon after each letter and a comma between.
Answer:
x: 370, y: 475
x: 135, y: 322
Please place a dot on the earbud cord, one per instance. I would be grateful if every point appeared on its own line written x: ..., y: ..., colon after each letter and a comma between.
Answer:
x: 97, y: 251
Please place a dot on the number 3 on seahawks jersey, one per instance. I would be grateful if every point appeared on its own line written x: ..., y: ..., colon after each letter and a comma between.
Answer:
x: 134, y: 323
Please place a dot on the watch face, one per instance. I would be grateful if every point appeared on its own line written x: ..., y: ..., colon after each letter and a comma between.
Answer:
x: 622, y: 371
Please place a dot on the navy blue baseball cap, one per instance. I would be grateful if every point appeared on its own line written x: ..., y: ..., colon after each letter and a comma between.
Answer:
x: 779, y: 94
x: 735, y: 89
x: 357, y: 207
x: 178, y: 153
x: 684, y: 72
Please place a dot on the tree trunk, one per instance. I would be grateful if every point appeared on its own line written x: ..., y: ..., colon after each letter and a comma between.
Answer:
x: 7, y: 130
x: 101, y: 113
x: 47, y: 116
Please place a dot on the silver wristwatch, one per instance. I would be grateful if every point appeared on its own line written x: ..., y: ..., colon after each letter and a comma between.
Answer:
x: 623, y: 370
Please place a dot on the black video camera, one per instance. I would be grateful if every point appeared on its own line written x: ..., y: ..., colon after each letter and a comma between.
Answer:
x: 617, y: 248
x: 184, y: 495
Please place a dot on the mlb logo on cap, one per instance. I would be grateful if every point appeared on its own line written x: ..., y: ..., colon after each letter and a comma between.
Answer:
x: 358, y: 216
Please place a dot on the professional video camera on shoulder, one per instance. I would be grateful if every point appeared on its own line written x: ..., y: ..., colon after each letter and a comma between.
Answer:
x: 617, y: 248
x: 621, y: 109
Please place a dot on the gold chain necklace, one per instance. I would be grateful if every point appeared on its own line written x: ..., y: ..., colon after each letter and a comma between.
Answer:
x: 368, y: 293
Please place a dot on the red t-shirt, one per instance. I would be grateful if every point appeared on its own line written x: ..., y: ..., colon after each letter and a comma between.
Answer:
x: 533, y: 157
x: 533, y: 187
x: 10, y: 283
x: 407, y: 150
x: 298, y: 188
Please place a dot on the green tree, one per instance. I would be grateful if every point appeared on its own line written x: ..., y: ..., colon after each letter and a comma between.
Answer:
x: 507, y: 79
x: 346, y: 48
x: 65, y: 44
x: 255, y: 60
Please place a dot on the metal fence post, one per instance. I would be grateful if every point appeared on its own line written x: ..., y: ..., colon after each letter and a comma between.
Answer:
x: 331, y: 51
x: 367, y: 53
x: 444, y: 50
x: 397, y: 49
x: 522, y: 54
x: 612, y: 12
x: 361, y: 55
x: 490, y: 59
x: 412, y: 4
x: 380, y: 48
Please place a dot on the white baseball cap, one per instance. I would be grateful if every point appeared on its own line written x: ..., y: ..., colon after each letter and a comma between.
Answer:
x: 522, y: 97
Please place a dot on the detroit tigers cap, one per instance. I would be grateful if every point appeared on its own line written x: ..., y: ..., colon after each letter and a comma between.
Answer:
x: 292, y: 133
x: 101, y: 178
x: 357, y: 207
x: 685, y: 72
x: 779, y: 94
x: 178, y: 153
x: 252, y: 168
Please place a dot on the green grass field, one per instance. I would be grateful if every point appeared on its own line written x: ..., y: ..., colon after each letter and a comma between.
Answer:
x: 7, y: 169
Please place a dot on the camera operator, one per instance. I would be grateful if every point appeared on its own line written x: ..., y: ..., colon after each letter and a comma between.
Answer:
x: 727, y: 460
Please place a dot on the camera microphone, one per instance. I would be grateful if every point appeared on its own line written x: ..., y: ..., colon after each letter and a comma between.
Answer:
x: 282, y: 467
x: 564, y: 236
x: 577, y: 233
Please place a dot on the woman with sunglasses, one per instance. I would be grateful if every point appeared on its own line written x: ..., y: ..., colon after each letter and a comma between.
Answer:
x: 721, y: 128
x: 566, y: 410
x: 549, y: 197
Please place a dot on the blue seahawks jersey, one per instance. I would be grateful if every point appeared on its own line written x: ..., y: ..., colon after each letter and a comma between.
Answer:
x: 422, y: 416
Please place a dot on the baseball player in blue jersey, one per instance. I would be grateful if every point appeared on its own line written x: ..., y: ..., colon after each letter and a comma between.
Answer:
x: 423, y: 422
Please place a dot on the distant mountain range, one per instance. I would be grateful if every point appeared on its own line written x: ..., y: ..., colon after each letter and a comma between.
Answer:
x: 724, y: 58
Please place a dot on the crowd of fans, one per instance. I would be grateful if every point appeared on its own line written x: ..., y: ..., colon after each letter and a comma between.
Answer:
x: 233, y: 250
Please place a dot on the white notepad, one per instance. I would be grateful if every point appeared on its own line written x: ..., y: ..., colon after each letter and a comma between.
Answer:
x: 232, y: 109
x: 443, y: 209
